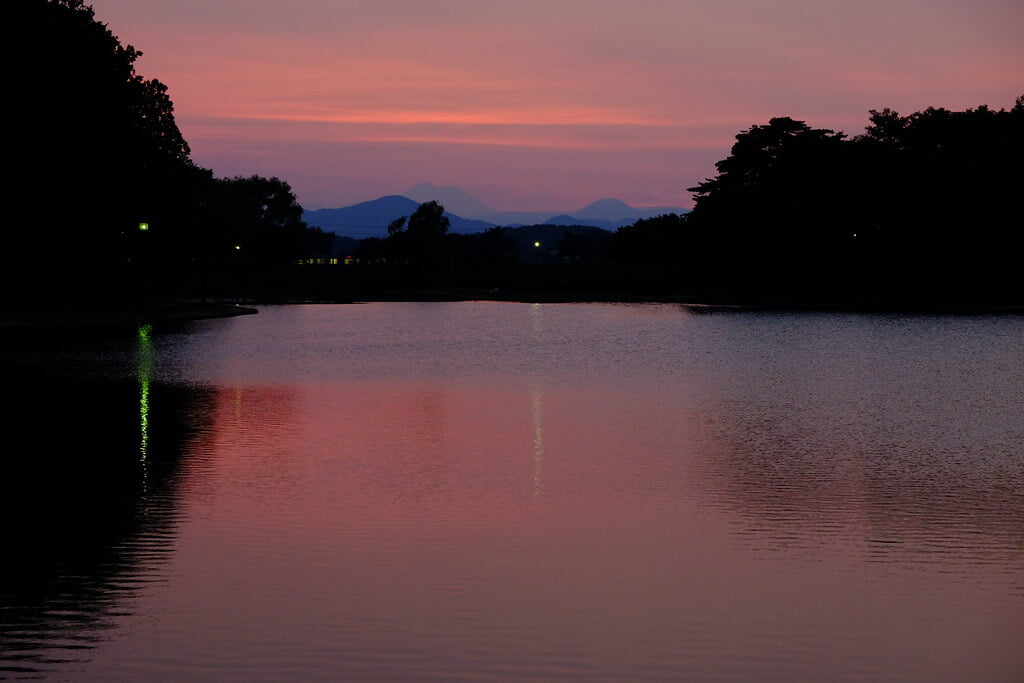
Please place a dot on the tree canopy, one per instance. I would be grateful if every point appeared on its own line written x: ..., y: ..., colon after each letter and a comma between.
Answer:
x: 420, y: 238
x: 259, y: 216
x: 91, y: 140
x: 428, y: 222
x: 95, y: 151
x: 921, y: 201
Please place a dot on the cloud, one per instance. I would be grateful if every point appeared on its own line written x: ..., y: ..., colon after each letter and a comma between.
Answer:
x: 528, y: 82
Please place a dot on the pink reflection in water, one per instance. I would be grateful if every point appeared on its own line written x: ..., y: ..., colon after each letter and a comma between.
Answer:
x: 386, y: 529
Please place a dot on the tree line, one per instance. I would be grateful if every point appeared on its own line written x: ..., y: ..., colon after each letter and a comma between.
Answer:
x: 103, y: 198
x: 920, y: 203
x: 105, y: 201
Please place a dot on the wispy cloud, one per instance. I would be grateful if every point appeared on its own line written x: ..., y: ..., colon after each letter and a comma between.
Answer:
x: 630, y: 81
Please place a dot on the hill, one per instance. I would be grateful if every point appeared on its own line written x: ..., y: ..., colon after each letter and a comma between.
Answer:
x: 608, y: 214
x: 371, y: 219
x: 620, y: 213
x: 454, y: 199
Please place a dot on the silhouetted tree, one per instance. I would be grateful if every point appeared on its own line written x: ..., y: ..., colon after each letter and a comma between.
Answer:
x: 917, y: 203
x: 428, y: 222
x: 259, y: 217
x: 396, y: 226
x: 491, y: 247
x: 93, y: 146
x: 245, y: 233
x: 420, y: 239
x: 660, y: 240
x: 778, y: 205
x: 945, y: 184
x: 584, y: 246
x: 494, y: 246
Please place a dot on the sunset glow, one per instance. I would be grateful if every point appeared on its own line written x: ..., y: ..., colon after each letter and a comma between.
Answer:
x: 532, y: 105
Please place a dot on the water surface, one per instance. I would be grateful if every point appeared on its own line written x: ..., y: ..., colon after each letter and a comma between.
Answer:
x: 493, y: 491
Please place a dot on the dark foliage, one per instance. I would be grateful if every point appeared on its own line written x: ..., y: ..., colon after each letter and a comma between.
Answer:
x: 259, y: 217
x: 653, y: 241
x: 420, y: 239
x: 95, y: 153
x: 920, y: 203
x: 946, y: 191
x: 423, y: 241
x: 924, y: 203
x: 589, y: 246
x: 428, y: 222
x: 93, y: 145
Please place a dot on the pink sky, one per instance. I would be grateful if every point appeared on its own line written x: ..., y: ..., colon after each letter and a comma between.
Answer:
x: 546, y: 105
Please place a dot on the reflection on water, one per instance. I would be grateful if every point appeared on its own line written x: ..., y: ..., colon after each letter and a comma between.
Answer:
x: 918, y: 451
x: 86, y: 489
x: 537, y: 403
x: 796, y: 479
x: 537, y: 408
x: 503, y: 491
x: 145, y: 362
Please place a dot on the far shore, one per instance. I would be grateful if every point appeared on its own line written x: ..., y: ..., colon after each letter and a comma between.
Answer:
x: 709, y: 301
x: 95, y: 317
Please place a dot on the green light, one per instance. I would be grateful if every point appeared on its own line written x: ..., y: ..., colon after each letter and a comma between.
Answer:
x: 536, y: 244
x: 143, y: 227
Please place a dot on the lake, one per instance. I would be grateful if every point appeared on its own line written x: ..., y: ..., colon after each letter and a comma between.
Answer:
x: 499, y: 491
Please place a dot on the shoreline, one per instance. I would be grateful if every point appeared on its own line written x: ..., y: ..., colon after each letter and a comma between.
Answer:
x: 105, y: 317
x: 711, y: 301
x: 87, y: 318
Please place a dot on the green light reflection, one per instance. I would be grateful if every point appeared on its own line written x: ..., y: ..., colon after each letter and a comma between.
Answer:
x: 145, y: 371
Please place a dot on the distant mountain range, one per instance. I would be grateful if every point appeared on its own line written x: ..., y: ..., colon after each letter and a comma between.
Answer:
x: 452, y: 198
x: 469, y: 215
x: 371, y: 219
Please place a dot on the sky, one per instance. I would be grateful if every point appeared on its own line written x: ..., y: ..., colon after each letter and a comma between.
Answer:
x: 549, y: 104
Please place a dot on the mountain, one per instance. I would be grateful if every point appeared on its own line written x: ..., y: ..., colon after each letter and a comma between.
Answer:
x: 566, y: 220
x: 366, y: 219
x: 608, y: 214
x: 371, y: 219
x: 517, y: 218
x: 604, y: 213
x: 452, y: 198
x: 606, y: 210
x: 619, y: 213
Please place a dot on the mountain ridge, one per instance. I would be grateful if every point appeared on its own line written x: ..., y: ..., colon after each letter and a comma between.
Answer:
x: 451, y: 197
x: 371, y: 218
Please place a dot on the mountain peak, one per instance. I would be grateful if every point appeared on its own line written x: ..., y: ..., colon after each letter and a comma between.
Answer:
x: 608, y: 209
x: 371, y: 218
x: 453, y: 198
